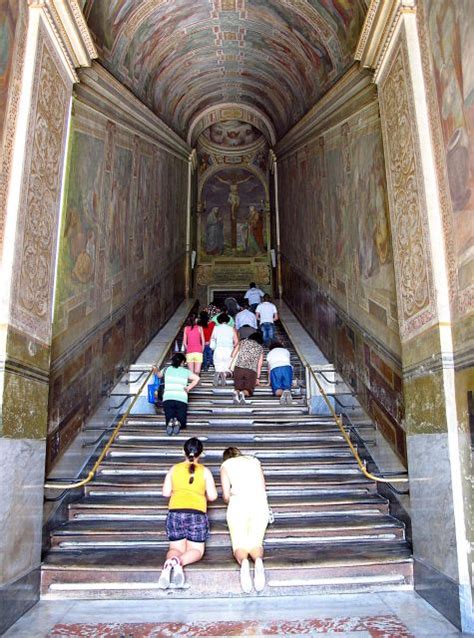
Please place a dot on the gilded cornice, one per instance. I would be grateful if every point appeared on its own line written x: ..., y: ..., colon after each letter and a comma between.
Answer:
x: 68, y: 24
x: 380, y: 23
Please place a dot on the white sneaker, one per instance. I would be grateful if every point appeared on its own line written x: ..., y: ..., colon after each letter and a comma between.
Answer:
x: 245, y: 578
x: 236, y: 398
x: 165, y: 576
x: 178, y: 576
x: 259, y: 575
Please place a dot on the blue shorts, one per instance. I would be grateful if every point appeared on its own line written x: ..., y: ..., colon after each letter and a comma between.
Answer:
x: 281, y: 378
x: 191, y: 525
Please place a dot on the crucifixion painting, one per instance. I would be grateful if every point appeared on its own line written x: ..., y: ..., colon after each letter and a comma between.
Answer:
x: 235, y: 199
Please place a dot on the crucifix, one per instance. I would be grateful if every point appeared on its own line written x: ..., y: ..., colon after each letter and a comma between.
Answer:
x: 234, y: 201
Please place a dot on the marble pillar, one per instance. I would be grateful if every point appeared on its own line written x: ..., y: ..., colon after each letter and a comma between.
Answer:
x: 36, y: 131
x: 394, y: 44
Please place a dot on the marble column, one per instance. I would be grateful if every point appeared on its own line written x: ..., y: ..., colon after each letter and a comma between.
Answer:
x: 36, y: 132
x: 438, y: 444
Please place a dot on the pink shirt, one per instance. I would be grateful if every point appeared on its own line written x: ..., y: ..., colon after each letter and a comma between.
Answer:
x: 194, y: 339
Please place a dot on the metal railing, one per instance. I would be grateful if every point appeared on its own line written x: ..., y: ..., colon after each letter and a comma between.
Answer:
x: 70, y: 486
x: 340, y: 425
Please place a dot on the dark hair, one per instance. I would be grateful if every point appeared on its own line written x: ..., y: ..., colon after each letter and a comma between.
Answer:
x: 252, y: 284
x: 203, y: 318
x: 192, y: 448
x: 177, y: 359
x: 275, y: 344
x: 230, y: 453
x: 191, y: 321
x: 245, y: 304
x: 223, y: 318
x: 256, y: 336
x: 266, y: 297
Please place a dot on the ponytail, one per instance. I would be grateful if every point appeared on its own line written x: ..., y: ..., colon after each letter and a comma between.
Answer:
x: 192, y: 448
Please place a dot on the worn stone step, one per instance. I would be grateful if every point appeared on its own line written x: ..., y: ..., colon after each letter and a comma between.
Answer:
x: 330, y: 529
x: 156, y: 507
x: 290, y: 570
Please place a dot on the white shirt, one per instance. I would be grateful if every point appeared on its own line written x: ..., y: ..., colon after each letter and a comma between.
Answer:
x: 245, y: 476
x: 278, y: 357
x: 245, y: 318
x: 222, y: 336
x: 266, y: 310
x: 254, y: 295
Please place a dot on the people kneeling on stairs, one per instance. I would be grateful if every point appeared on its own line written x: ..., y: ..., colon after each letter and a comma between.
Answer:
x: 280, y: 371
x: 248, y: 359
x: 189, y: 486
x: 223, y: 342
x: 243, y: 488
x: 178, y: 383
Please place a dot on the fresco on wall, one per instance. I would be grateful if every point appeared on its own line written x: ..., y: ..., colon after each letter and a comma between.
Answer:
x: 451, y: 28
x: 345, y: 243
x: 275, y: 56
x: 82, y: 216
x: 120, y: 262
x: 233, y: 219
x: 232, y: 134
x: 8, y: 20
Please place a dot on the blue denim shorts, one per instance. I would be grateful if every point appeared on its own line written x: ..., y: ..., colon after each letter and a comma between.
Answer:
x: 281, y: 378
x: 191, y: 525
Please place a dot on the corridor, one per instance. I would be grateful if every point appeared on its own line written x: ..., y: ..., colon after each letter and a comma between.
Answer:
x: 162, y: 155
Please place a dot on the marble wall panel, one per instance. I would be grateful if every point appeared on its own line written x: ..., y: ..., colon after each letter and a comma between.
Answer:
x: 21, y: 501
x: 370, y: 370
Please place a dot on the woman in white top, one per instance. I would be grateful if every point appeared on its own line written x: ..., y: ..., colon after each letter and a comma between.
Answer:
x: 281, y: 371
x: 223, y: 341
x: 243, y: 488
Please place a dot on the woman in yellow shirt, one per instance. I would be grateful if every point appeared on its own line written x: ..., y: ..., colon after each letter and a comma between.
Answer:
x: 189, y: 485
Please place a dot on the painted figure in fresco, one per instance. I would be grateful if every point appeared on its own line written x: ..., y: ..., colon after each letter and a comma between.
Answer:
x: 447, y: 41
x: 214, y: 232
x: 234, y: 201
x: 232, y: 133
x: 84, y: 266
x: 256, y: 242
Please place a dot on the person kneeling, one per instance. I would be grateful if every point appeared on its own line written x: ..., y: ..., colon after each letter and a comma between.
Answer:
x: 243, y: 488
x: 189, y: 485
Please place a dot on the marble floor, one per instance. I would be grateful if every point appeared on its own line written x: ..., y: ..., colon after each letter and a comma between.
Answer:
x: 377, y: 615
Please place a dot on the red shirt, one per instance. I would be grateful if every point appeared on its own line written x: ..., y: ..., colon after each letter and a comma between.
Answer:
x: 208, y: 331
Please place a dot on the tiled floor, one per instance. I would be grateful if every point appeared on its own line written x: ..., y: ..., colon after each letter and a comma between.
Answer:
x: 382, y: 615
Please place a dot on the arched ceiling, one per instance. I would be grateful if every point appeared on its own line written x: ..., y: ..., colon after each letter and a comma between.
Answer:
x: 183, y: 57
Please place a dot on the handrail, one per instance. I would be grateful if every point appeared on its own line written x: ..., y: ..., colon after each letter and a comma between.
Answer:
x: 113, y: 436
x: 340, y: 425
x: 108, y: 445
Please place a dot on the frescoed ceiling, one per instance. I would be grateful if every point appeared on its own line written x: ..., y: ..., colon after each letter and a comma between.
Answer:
x: 183, y: 57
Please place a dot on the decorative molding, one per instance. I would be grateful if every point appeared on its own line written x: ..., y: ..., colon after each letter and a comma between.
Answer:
x: 378, y: 29
x: 39, y: 207
x: 99, y: 90
x: 69, y: 26
x: 351, y: 93
x: 408, y: 214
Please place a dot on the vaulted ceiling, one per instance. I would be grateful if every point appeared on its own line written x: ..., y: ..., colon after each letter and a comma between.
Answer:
x: 183, y: 57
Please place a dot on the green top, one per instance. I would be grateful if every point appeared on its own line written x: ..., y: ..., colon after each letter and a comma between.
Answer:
x: 230, y: 323
x: 176, y: 379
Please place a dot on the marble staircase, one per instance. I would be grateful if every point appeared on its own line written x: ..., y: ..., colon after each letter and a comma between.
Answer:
x: 333, y: 531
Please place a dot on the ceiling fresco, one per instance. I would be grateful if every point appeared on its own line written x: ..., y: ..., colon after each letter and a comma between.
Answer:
x: 231, y: 134
x: 182, y: 57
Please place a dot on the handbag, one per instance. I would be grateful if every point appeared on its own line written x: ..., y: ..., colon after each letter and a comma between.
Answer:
x: 153, y: 389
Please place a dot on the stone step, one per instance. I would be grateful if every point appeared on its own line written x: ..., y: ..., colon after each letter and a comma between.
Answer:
x: 331, y: 529
x: 155, y: 508
x: 282, y: 485
x: 290, y: 570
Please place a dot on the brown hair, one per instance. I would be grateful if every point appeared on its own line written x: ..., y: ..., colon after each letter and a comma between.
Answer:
x: 230, y: 453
